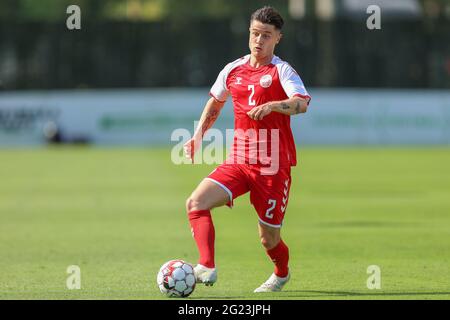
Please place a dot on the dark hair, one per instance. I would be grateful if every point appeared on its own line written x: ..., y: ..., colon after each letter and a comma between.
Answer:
x: 268, y: 15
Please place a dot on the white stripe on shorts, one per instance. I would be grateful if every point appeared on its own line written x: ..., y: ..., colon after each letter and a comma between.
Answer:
x: 223, y: 187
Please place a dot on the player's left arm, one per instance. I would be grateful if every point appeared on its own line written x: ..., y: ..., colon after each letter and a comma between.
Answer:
x: 290, y: 107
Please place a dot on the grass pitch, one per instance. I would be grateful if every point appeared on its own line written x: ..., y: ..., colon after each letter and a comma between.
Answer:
x: 119, y: 215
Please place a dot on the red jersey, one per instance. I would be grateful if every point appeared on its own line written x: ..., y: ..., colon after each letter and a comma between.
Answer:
x: 250, y: 87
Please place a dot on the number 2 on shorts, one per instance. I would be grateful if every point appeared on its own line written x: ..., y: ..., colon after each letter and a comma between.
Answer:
x: 273, y: 203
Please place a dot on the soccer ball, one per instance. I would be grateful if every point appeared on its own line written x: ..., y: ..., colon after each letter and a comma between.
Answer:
x: 176, y: 279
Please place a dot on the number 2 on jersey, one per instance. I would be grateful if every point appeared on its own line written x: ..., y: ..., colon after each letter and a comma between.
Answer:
x: 251, y: 87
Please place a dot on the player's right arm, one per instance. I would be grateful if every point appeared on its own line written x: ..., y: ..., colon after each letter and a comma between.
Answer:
x: 209, y: 116
x: 219, y: 93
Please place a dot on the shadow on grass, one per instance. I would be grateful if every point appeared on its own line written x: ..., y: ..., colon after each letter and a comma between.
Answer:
x: 319, y: 294
x: 316, y: 293
x: 217, y: 298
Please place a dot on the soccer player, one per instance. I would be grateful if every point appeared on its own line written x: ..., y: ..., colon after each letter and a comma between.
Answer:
x: 266, y: 92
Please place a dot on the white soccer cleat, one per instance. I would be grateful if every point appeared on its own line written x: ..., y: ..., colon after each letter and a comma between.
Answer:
x: 207, y: 276
x: 273, y: 284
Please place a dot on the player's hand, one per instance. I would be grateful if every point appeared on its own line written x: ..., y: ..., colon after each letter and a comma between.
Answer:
x: 259, y: 112
x: 191, y: 147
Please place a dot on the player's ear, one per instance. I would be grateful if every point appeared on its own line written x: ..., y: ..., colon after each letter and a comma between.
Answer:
x: 280, y: 35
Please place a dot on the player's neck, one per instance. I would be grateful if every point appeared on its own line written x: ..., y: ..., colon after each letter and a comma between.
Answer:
x: 256, y: 63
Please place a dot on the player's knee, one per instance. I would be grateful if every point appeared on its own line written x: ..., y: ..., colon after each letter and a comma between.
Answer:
x: 193, y: 204
x: 190, y: 204
x: 269, y: 242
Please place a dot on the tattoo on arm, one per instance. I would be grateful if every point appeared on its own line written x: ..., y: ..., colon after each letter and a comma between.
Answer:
x: 285, y: 106
x: 297, y: 108
x: 210, y: 118
x: 293, y: 107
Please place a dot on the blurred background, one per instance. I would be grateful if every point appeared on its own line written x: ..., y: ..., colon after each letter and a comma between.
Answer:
x: 86, y: 123
x: 118, y: 78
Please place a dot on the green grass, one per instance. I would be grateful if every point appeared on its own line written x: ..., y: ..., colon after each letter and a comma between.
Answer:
x: 119, y: 215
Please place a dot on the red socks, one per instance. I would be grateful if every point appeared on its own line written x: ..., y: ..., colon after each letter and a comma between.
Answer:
x: 202, y: 228
x: 280, y: 257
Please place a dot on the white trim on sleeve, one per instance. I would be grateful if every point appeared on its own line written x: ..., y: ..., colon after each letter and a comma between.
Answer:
x: 219, y: 90
x: 290, y: 80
